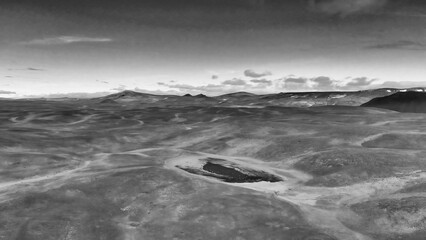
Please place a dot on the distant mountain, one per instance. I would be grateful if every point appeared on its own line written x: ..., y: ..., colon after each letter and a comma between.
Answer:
x: 200, y: 96
x: 128, y: 94
x: 410, y: 101
x: 334, y: 94
x: 237, y: 95
x: 131, y: 96
x: 288, y: 99
x: 307, y: 99
x: 195, y: 96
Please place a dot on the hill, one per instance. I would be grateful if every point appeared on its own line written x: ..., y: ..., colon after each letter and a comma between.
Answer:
x: 131, y: 96
x: 414, y: 102
x: 283, y: 99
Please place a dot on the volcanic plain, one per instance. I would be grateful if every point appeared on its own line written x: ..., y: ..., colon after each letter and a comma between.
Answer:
x: 134, y: 166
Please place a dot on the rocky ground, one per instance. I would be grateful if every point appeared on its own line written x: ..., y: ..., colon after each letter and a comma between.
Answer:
x: 89, y: 170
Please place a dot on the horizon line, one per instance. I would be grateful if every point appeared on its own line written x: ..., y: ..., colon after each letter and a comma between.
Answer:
x: 46, y: 96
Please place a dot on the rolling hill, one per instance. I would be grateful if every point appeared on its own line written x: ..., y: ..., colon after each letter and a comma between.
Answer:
x: 414, y: 102
x: 287, y: 99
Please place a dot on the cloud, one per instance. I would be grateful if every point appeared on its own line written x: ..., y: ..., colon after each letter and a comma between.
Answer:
x: 346, y: 7
x: 293, y: 83
x: 228, y: 86
x: 253, y: 74
x: 34, y: 69
x: 101, y: 81
x: 262, y: 81
x: 62, y: 40
x: 215, y: 76
x: 123, y: 87
x: 235, y: 82
x: 191, y: 88
x: 26, y: 69
x: 407, y: 84
x: 289, y: 83
x: 360, y: 82
x: 292, y: 80
x: 6, y: 92
x: 403, y: 44
x: 323, y: 83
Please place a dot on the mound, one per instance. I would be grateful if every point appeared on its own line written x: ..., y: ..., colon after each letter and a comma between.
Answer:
x: 414, y: 102
x: 237, y: 95
x: 349, y: 166
x: 130, y: 96
x: 108, y: 101
x: 200, y: 96
x: 392, y: 218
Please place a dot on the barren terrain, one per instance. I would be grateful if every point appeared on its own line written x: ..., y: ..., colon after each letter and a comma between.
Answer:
x: 75, y: 170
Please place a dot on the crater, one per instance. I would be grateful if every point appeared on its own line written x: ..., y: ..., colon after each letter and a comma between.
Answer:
x: 230, y: 172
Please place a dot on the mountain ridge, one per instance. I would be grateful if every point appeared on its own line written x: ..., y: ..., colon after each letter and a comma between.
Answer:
x: 131, y: 93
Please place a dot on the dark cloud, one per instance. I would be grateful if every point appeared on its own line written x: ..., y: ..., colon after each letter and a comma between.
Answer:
x: 360, y: 82
x: 254, y: 74
x: 6, y: 92
x: 34, y: 69
x: 153, y: 4
x: 294, y: 84
x: 296, y: 80
x: 323, y: 83
x: 403, y: 44
x: 235, y: 82
x: 161, y: 13
x: 215, y: 76
x: 262, y: 81
x: 346, y: 7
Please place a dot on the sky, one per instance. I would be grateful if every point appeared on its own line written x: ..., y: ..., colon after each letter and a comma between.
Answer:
x: 88, y: 48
